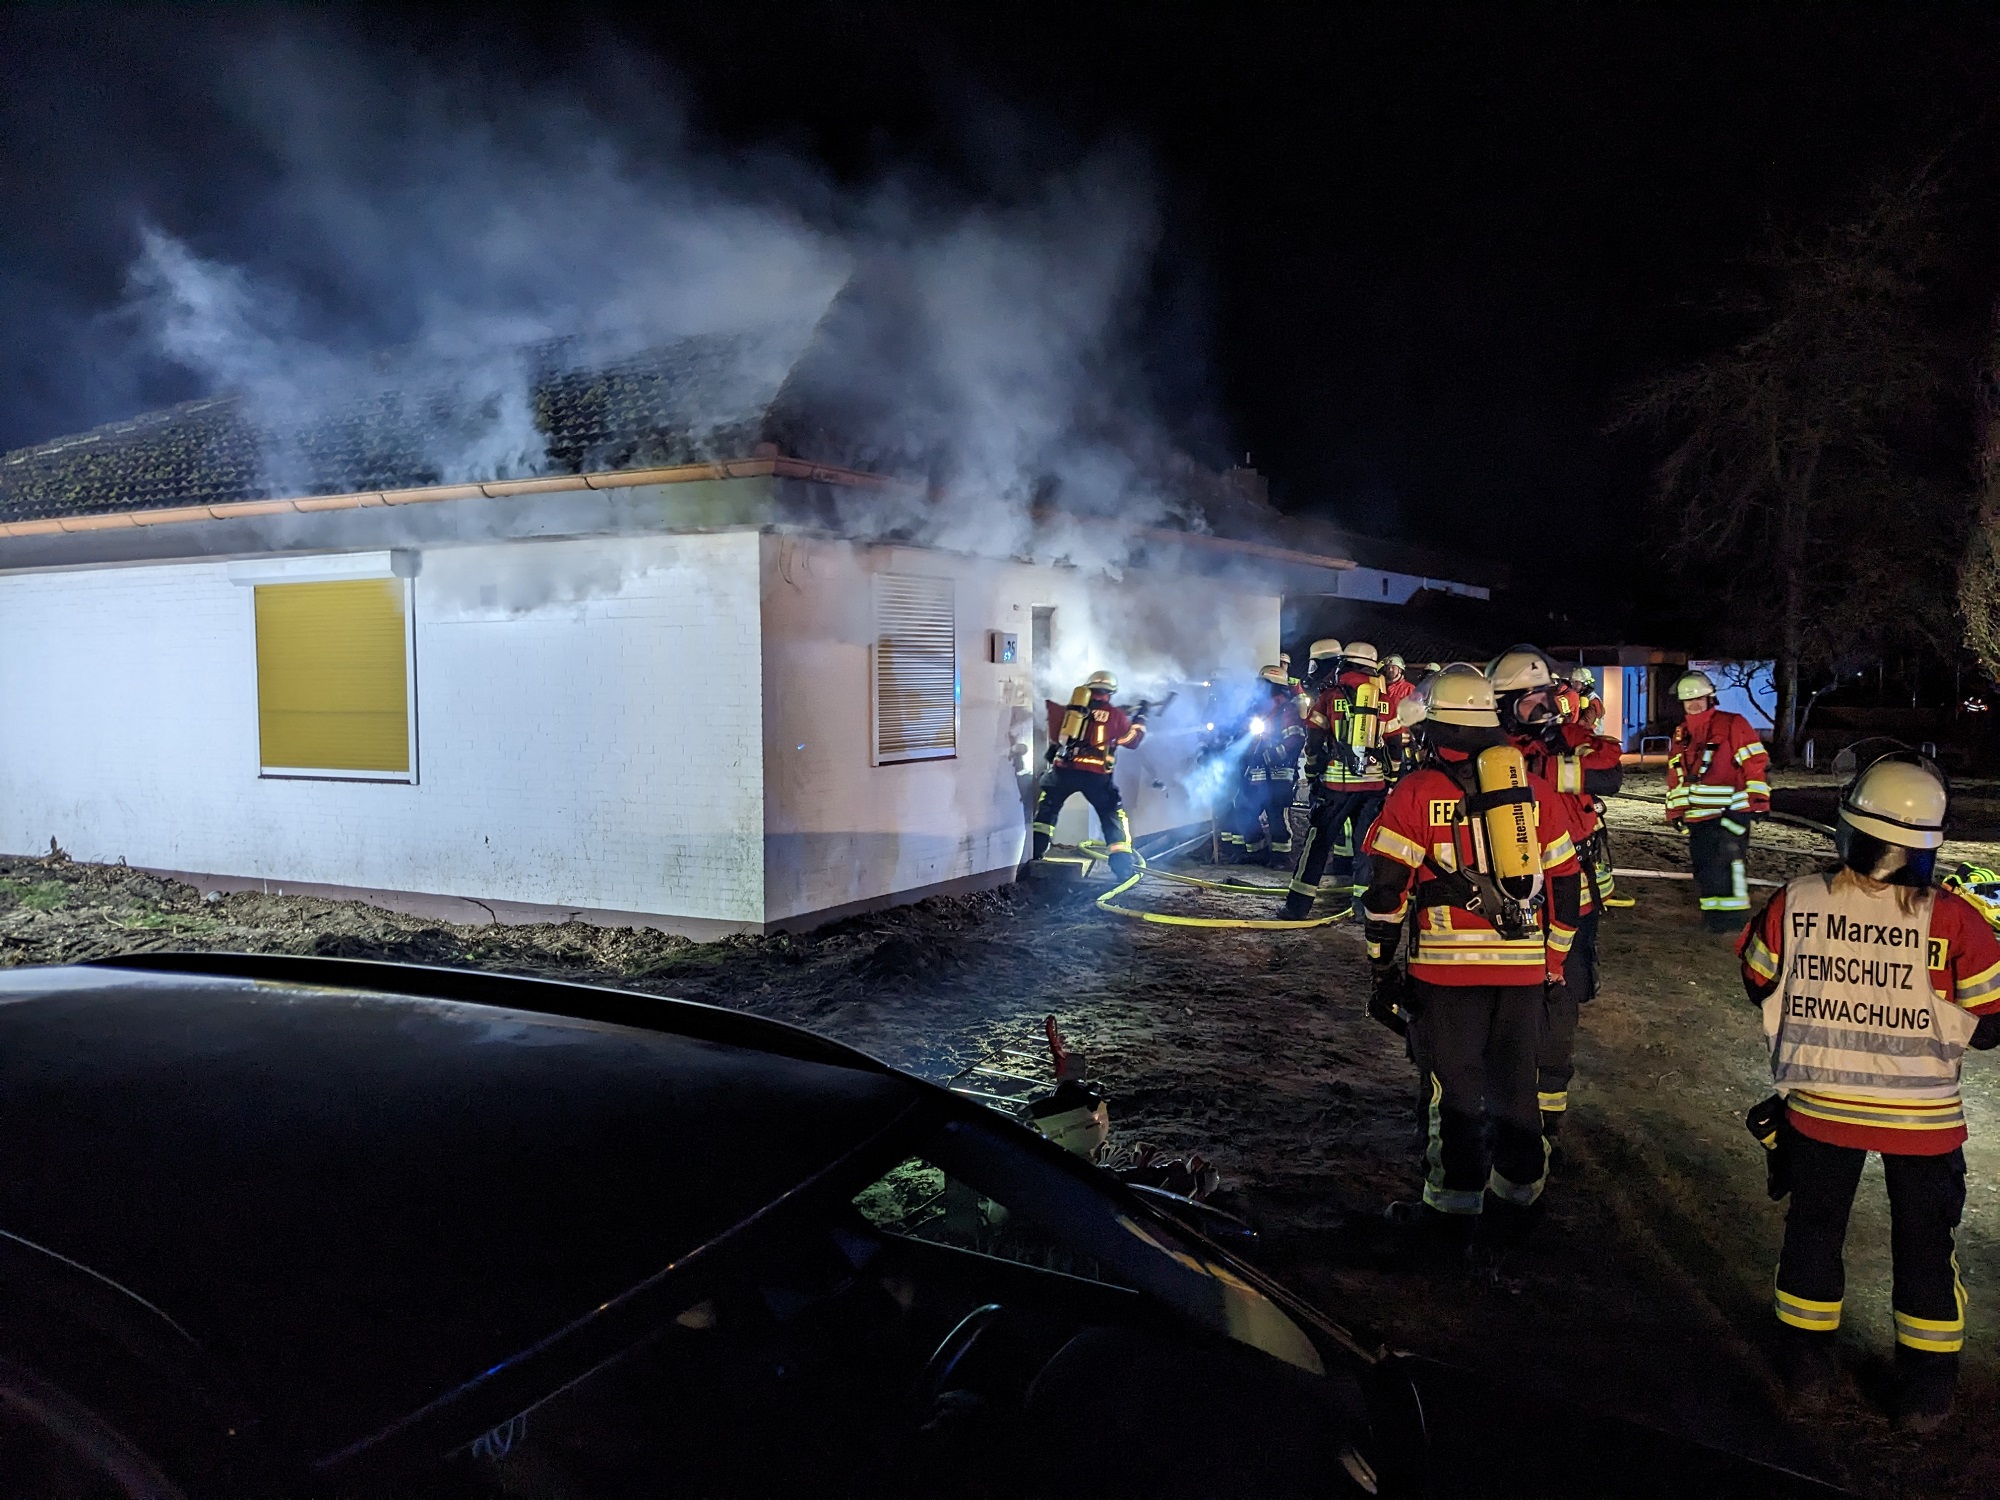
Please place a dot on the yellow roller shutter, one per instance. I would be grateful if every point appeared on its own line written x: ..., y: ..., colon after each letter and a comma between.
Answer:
x: 333, y: 676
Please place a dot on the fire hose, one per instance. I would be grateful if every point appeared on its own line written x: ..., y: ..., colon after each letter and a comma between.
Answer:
x: 1095, y: 849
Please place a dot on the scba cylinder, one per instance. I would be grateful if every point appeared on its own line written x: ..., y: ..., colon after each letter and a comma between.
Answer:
x: 1072, y: 724
x: 1364, y: 721
x: 1513, y: 848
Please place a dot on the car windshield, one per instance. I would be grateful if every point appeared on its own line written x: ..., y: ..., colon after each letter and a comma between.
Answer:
x: 962, y: 1314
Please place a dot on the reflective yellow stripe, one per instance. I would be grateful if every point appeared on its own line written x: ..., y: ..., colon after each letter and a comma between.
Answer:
x: 1554, y: 1104
x: 1560, y: 939
x: 1880, y: 1114
x: 1759, y: 959
x: 1755, y: 747
x: 1395, y: 846
x: 1803, y: 1312
x: 1979, y: 986
x: 1558, y: 851
x: 1523, y: 1193
x: 1045, y: 828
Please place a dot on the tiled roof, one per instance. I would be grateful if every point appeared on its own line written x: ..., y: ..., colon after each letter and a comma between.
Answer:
x: 702, y: 397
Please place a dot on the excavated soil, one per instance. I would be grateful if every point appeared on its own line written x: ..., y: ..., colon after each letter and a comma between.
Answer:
x: 1647, y: 1288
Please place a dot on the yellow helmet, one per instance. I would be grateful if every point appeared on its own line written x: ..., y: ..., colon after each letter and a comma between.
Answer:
x: 1583, y: 677
x: 1460, y: 694
x: 1898, y: 800
x: 1519, y: 669
x: 1101, y: 682
x: 1694, y: 685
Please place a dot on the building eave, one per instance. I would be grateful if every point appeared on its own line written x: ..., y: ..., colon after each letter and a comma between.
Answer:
x: 740, y: 468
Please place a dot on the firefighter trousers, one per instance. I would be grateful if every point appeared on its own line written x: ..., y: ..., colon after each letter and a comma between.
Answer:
x: 1338, y: 813
x: 1717, y: 856
x: 1101, y: 792
x: 1926, y: 1197
x: 1478, y: 1044
x: 1242, y: 830
x: 1553, y: 1067
x: 1277, y: 800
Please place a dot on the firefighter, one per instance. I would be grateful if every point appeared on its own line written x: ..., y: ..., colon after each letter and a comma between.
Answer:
x: 1085, y: 736
x: 1872, y: 984
x: 1277, y: 735
x: 1475, y: 852
x: 1578, y: 768
x: 1589, y: 708
x: 1398, y: 754
x: 1716, y: 791
x: 1343, y: 761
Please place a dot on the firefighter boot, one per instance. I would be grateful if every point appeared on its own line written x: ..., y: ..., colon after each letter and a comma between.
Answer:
x: 1422, y: 1238
x: 1298, y: 906
x: 1503, y: 1226
x: 1926, y: 1385
x: 1809, y: 1366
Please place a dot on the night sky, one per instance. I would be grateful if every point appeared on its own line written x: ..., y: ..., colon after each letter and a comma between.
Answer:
x: 1409, y: 261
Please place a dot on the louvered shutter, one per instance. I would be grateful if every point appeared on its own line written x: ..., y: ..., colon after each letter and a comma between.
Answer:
x: 333, y: 679
x: 916, y: 669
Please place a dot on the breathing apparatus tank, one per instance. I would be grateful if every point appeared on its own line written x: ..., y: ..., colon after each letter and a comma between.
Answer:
x: 1506, y: 847
x: 1072, y: 723
x: 1363, y: 727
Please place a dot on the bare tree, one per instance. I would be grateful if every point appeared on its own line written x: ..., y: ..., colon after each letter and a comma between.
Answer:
x: 1789, y: 490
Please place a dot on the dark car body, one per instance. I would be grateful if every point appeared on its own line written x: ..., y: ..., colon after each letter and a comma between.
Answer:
x: 299, y: 1226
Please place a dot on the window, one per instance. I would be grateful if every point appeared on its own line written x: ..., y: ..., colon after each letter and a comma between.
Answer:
x: 335, y: 679
x: 916, y: 669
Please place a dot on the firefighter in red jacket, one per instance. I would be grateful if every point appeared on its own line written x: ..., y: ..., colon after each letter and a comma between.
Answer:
x: 1581, y: 705
x: 1085, y: 736
x: 1343, y: 759
x: 1578, y: 768
x: 1873, y: 983
x: 1398, y: 753
x: 1716, y: 790
x: 1479, y: 849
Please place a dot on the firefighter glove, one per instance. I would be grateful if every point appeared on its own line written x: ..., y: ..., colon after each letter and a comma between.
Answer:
x: 1987, y: 1033
x: 1766, y: 1121
x: 1391, y: 997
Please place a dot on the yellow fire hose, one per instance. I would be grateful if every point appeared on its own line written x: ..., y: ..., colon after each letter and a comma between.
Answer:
x: 1094, y: 849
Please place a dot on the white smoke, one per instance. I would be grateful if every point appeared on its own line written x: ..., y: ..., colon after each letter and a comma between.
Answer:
x: 430, y: 231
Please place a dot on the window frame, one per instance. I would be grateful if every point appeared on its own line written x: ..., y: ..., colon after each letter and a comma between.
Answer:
x: 386, y: 568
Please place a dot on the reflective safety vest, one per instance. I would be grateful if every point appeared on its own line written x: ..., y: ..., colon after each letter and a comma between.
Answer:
x: 1855, y: 1018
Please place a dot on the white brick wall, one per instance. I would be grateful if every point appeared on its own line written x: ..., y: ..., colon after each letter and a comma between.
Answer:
x: 589, y: 730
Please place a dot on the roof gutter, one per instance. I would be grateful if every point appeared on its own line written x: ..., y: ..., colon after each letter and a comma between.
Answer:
x: 764, y: 466
x: 742, y: 468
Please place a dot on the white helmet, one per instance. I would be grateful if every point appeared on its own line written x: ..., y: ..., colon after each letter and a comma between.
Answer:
x: 1360, y: 651
x: 1322, y: 649
x: 1582, y: 677
x: 1393, y: 662
x: 1694, y: 685
x: 1460, y: 694
x: 1276, y: 677
x: 1101, y: 682
x: 1898, y: 800
x: 1519, y: 669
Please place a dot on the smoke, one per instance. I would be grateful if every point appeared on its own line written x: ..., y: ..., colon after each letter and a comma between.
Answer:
x: 435, y: 244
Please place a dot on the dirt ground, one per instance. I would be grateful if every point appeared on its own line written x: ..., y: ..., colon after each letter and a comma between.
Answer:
x: 1647, y: 1288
